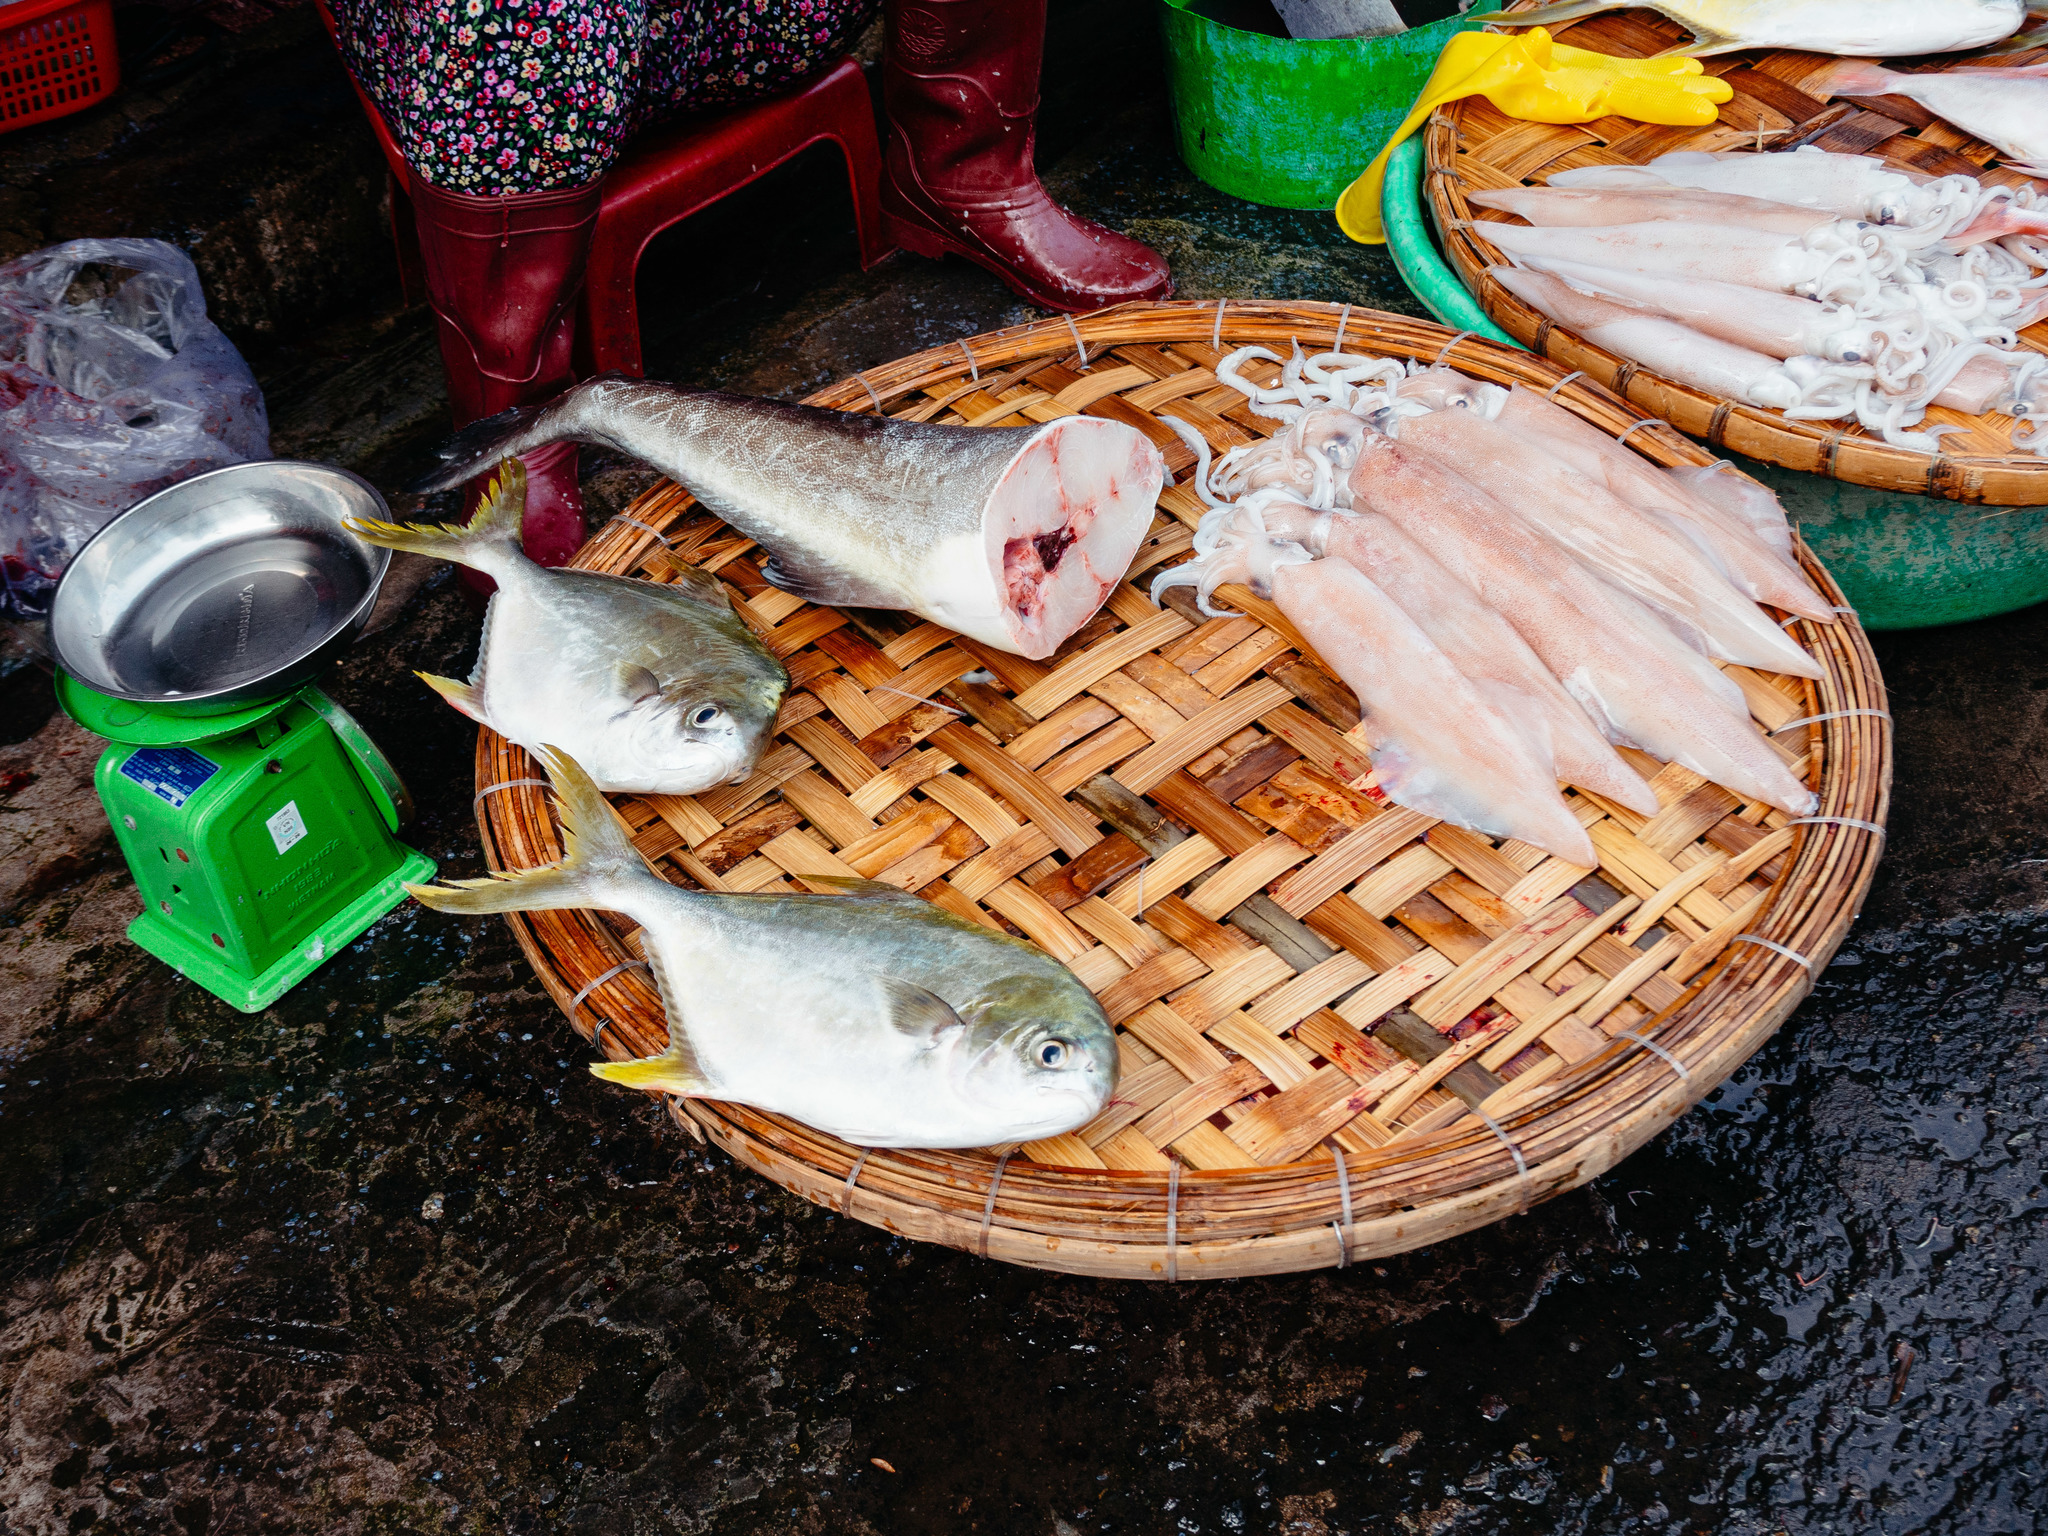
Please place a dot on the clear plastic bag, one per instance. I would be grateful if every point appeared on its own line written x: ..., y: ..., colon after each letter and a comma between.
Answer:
x: 113, y: 385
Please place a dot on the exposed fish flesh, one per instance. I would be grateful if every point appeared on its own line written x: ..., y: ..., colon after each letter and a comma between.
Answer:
x: 1477, y: 640
x: 1889, y: 27
x: 868, y: 1013
x: 658, y: 687
x: 2006, y: 108
x: 1013, y: 536
x: 1625, y: 545
x: 1639, y: 683
x: 1439, y: 745
x: 1582, y: 207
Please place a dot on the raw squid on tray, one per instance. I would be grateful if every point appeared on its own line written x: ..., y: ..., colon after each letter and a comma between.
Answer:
x: 1439, y: 745
x: 1912, y: 292
x: 1497, y: 588
x: 1013, y: 536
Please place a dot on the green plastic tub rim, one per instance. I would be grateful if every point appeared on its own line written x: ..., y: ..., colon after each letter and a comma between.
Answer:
x: 1290, y: 123
x: 1903, y: 561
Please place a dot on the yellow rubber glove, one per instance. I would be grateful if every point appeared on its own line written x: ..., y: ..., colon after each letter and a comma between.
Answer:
x: 1538, y: 81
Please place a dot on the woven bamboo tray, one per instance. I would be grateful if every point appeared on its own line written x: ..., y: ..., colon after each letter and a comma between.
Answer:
x: 1472, y: 146
x: 1274, y: 1114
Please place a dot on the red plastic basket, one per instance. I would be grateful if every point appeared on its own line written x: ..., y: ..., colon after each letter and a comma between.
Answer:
x: 56, y: 56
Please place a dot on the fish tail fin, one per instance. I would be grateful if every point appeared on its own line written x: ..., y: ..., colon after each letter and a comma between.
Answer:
x: 484, y: 542
x: 599, y: 866
x: 1850, y: 77
x: 673, y: 1071
x: 519, y: 429
x: 460, y: 695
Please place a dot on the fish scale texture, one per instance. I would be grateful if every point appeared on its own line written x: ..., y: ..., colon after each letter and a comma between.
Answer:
x: 1180, y: 810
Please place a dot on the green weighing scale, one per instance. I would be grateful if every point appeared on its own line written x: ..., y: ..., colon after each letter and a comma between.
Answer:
x: 257, y: 817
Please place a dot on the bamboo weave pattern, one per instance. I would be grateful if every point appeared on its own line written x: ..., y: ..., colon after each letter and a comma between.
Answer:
x: 1180, y: 810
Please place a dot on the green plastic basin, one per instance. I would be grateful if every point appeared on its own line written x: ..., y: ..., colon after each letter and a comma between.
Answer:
x: 1903, y: 562
x: 1287, y: 123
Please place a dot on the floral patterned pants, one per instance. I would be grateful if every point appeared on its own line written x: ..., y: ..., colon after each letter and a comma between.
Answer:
x: 496, y: 96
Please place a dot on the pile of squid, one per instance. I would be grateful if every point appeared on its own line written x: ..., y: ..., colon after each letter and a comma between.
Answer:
x: 1831, y: 287
x: 1509, y: 592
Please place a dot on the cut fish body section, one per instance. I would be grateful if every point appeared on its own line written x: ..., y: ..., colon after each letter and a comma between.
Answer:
x: 1062, y: 526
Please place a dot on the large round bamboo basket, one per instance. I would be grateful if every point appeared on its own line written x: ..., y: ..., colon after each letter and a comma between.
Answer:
x: 1470, y: 146
x: 1348, y: 1030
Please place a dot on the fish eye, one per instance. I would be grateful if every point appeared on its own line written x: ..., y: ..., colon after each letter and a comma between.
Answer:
x: 1052, y: 1053
x: 706, y: 715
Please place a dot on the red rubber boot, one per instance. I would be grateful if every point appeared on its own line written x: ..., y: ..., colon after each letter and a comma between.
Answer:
x: 502, y: 277
x: 960, y: 84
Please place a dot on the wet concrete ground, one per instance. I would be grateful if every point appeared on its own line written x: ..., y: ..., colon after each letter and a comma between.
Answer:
x: 385, y: 1259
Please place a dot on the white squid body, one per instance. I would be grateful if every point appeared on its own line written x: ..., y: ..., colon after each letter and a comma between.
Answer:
x: 1845, y: 186
x: 1478, y: 641
x: 1625, y: 545
x: 1557, y: 207
x: 2006, y: 108
x: 1674, y: 350
x: 1635, y: 679
x: 1439, y: 745
x: 1754, y: 258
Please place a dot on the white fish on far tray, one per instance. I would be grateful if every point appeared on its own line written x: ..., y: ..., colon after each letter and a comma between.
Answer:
x: 2006, y: 108
x: 1893, y: 28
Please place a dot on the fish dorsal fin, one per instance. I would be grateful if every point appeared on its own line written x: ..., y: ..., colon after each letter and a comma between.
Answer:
x: 866, y: 890
x: 917, y: 1011
x: 675, y: 1070
x: 823, y: 585
x: 694, y: 583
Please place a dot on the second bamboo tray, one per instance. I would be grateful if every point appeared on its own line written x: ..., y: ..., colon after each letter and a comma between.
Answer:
x: 1347, y: 1030
x: 1471, y: 146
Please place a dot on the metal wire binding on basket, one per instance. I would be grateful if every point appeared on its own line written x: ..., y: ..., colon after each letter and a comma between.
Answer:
x: 1475, y: 147
x: 1176, y: 808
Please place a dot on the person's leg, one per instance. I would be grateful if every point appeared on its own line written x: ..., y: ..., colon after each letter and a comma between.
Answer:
x: 711, y: 53
x: 960, y: 83
x: 508, y: 112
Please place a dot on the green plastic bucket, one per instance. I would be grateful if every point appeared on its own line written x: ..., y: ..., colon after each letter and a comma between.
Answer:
x: 1286, y: 123
x: 1903, y: 561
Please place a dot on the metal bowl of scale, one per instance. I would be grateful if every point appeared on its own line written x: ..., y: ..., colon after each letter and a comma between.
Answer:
x: 224, y: 590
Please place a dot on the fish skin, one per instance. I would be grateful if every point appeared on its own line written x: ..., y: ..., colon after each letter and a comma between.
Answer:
x: 1819, y: 26
x: 868, y: 511
x: 622, y: 670
x: 2006, y: 108
x: 870, y: 1014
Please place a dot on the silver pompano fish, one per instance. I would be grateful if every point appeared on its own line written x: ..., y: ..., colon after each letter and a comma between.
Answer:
x: 872, y: 1014
x: 1013, y: 536
x: 1893, y: 28
x: 656, y: 687
x: 2006, y: 108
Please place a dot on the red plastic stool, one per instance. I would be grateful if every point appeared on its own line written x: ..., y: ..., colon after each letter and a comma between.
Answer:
x: 667, y: 175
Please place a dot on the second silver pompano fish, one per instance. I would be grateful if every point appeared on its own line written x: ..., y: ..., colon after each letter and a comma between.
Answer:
x: 867, y: 1012
x: 656, y: 687
x: 1013, y: 536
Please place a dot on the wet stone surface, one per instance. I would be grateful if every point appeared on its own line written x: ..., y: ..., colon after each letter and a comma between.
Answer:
x: 386, y: 1259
